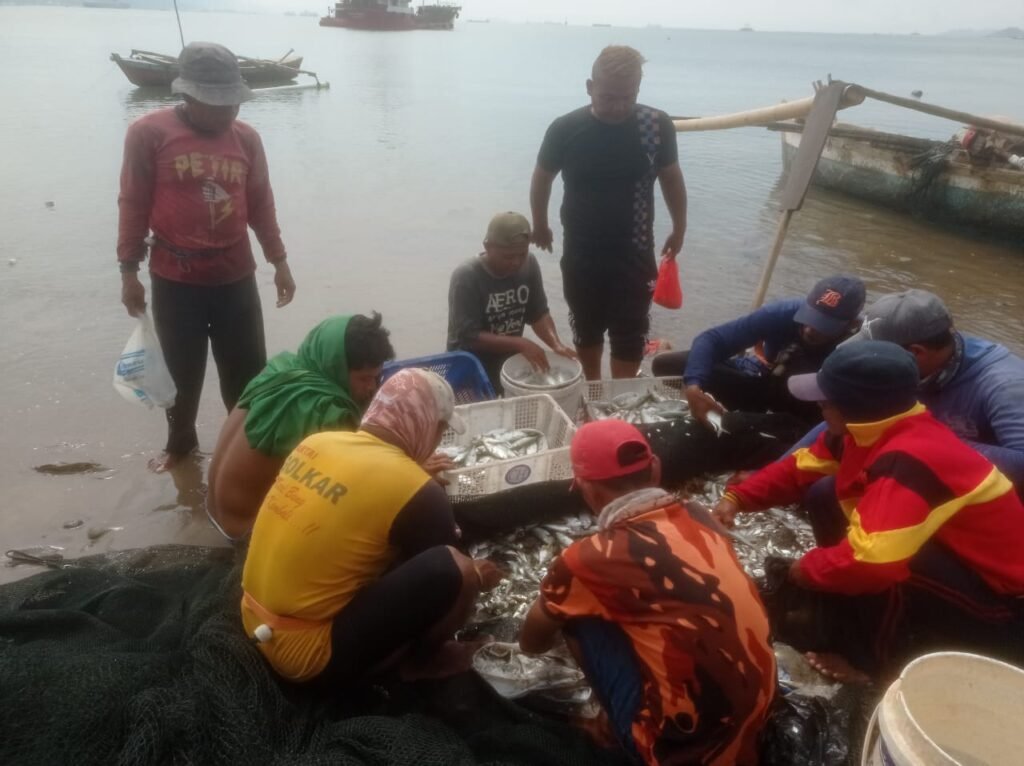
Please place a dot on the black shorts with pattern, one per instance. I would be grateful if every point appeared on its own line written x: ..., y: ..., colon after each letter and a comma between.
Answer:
x: 613, y: 296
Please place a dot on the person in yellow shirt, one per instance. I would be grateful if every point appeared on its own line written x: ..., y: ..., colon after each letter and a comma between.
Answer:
x: 352, y: 563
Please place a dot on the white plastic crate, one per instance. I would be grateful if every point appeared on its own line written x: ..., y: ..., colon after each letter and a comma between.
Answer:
x: 605, y: 390
x: 539, y: 412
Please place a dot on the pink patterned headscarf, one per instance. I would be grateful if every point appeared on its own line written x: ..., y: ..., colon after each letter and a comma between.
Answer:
x: 409, y: 406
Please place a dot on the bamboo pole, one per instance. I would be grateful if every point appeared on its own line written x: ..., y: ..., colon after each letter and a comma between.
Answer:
x: 773, y: 257
x: 1002, y: 126
x: 755, y: 117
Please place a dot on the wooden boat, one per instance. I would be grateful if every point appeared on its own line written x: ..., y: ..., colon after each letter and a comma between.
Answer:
x: 934, y: 179
x: 148, y: 69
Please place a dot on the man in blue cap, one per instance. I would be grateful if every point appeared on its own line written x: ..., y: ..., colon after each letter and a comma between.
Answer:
x: 919, y: 537
x: 974, y: 386
x: 788, y: 337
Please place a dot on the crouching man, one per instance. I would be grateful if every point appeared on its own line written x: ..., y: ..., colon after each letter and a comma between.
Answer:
x: 665, y: 624
x: 919, y: 536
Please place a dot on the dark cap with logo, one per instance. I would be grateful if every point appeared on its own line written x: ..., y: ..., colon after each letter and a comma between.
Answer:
x: 868, y: 381
x: 832, y: 305
x: 904, y: 318
x: 209, y: 73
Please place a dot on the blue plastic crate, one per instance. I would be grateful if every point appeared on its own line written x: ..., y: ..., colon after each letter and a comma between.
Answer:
x: 461, y: 369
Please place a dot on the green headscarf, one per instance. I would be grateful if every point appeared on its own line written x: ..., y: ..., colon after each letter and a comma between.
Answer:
x: 300, y: 394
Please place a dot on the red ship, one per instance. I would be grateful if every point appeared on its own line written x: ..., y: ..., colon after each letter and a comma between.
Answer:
x: 390, y: 15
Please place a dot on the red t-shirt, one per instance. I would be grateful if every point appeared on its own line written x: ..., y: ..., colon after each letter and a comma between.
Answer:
x: 198, y: 194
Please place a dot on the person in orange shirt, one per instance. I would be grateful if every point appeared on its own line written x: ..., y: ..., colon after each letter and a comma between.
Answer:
x: 667, y: 627
x: 352, y: 566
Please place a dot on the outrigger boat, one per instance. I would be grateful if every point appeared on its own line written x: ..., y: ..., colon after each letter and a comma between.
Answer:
x: 940, y: 180
x: 148, y: 69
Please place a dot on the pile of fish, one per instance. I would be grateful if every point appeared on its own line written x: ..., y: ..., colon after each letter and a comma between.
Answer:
x: 525, y: 555
x: 756, y: 536
x: 638, y: 408
x: 499, y: 444
x: 514, y: 674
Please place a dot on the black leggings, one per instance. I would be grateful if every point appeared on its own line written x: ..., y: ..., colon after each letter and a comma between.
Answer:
x: 188, y: 319
x: 394, y: 611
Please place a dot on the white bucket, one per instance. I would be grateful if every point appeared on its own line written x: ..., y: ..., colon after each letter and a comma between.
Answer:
x: 568, y: 395
x: 949, y: 709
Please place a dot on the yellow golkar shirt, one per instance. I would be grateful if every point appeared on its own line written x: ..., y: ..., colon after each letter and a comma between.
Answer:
x: 321, y: 535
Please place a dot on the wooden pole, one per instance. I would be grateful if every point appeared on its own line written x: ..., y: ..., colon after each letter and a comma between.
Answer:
x: 941, y: 111
x: 769, y: 266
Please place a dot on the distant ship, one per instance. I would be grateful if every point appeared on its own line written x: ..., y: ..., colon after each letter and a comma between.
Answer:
x: 120, y: 4
x: 390, y: 15
x: 601, y: 25
x: 746, y: 28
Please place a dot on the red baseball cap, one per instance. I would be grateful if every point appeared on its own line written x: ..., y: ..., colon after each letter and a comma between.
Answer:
x: 596, y: 450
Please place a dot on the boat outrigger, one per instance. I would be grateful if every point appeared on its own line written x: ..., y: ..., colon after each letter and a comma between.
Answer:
x: 149, y: 69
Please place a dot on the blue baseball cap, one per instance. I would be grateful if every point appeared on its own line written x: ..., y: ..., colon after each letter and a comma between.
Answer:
x: 868, y: 381
x: 832, y: 304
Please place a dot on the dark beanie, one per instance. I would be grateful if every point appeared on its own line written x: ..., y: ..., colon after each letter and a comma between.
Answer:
x: 870, y: 381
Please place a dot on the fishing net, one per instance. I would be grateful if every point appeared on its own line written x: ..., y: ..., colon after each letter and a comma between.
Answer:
x: 140, y: 658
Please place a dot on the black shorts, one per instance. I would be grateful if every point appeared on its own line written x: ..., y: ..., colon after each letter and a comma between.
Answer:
x: 610, y: 298
x: 391, y: 612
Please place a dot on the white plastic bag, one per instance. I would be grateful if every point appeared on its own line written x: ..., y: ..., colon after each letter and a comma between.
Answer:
x: 141, y: 374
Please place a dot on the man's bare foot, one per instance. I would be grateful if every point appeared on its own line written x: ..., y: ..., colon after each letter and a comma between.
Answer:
x: 451, y: 658
x: 165, y: 462
x: 836, y: 668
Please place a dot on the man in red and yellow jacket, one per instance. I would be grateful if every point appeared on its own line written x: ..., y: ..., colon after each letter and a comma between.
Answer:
x: 923, y: 532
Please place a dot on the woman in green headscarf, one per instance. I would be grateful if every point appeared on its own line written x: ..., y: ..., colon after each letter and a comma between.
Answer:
x: 325, y: 386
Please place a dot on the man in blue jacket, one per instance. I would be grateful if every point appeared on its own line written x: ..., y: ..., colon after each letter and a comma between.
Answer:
x: 974, y: 386
x: 789, y: 337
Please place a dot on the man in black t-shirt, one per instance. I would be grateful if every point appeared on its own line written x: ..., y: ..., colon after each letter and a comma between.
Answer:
x: 609, y: 154
x: 494, y: 296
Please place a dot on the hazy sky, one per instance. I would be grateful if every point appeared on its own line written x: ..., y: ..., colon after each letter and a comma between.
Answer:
x: 896, y: 16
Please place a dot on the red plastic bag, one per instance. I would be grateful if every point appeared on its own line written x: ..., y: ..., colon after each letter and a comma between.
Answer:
x: 668, y: 291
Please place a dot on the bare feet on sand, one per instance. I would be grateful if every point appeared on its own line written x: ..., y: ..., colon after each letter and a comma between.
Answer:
x: 165, y: 462
x: 836, y: 668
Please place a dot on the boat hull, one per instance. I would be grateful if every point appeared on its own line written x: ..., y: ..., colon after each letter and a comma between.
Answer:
x: 371, y: 19
x: 881, y: 172
x: 380, y: 19
x: 153, y: 73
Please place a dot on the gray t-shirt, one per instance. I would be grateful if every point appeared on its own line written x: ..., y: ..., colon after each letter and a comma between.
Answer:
x: 480, y: 302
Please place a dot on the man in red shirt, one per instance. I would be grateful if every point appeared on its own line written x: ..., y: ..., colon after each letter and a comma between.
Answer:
x: 197, y: 178
x: 919, y: 536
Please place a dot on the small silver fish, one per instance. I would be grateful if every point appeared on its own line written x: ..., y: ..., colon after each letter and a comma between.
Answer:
x: 639, y: 408
x: 715, y: 420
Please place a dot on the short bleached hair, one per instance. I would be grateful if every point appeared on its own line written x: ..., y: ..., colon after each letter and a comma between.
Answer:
x: 619, y: 61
